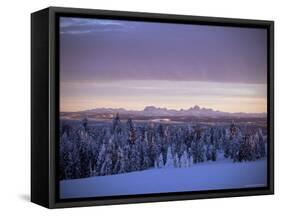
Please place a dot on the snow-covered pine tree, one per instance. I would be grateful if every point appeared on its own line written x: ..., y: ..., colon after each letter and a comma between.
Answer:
x: 190, y: 157
x: 85, y: 152
x: 160, y: 137
x: 131, y: 132
x: 226, y: 143
x: 245, y: 150
x: 255, y: 146
x: 152, y: 148
x: 134, y: 158
x: 261, y: 144
x: 160, y: 161
x: 170, y: 160
x: 85, y: 123
x: 197, y: 147
x: 134, y: 153
x: 67, y: 160
x: 126, y: 155
x: 100, y: 160
x: 184, y: 160
x: 176, y: 161
x: 114, y: 157
x: 116, y: 124
x: 208, y: 147
x: 156, y: 164
x: 213, y: 153
x: 120, y: 165
x: 146, y: 163
x: 106, y: 168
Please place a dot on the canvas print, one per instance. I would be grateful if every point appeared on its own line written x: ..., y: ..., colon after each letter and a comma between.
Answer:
x: 150, y: 107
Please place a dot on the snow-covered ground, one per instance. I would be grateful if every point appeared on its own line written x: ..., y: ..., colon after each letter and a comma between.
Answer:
x: 222, y: 174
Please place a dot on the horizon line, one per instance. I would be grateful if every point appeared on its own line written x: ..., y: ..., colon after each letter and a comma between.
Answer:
x: 200, y: 107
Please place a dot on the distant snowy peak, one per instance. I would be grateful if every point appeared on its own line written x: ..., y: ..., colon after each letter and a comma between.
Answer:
x: 195, y: 108
x: 198, y: 109
x: 157, y: 111
x: 152, y: 109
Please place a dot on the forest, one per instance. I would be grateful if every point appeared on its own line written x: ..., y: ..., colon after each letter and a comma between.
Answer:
x: 123, y: 146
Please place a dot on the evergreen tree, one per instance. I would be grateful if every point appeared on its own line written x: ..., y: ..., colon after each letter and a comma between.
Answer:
x: 226, y: 144
x: 261, y: 144
x: 100, y: 160
x: 152, y: 149
x: 160, y: 161
x: 116, y: 126
x: 134, y: 158
x: 69, y: 159
x: 120, y: 165
x: 184, y: 160
x: 176, y: 161
x: 85, y: 152
x: 245, y: 150
x: 131, y: 132
x: 85, y: 123
x: 146, y: 163
x: 208, y: 148
x: 106, y: 168
x: 190, y: 157
x: 197, y: 147
x: 170, y: 160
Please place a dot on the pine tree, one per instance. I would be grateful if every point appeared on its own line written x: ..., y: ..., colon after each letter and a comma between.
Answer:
x: 226, y: 144
x: 160, y: 161
x: 151, y: 144
x: 85, y: 123
x: 261, y: 144
x: 134, y: 158
x: 85, y: 152
x: 131, y: 132
x: 106, y: 168
x: 85, y: 161
x: 184, y: 160
x: 161, y: 140
x: 176, y: 161
x: 208, y: 148
x: 100, y: 160
x: 190, y: 157
x: 197, y: 147
x: 134, y: 152
x: 245, y: 150
x: 116, y: 126
x: 120, y: 165
x: 67, y: 158
x: 170, y: 160
x: 155, y: 164
x: 146, y: 163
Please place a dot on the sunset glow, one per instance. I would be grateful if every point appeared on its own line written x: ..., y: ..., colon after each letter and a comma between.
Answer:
x: 131, y: 65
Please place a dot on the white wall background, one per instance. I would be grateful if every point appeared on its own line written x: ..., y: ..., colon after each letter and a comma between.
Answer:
x: 15, y: 106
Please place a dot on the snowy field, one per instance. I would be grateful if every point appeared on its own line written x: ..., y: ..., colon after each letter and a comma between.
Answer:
x: 221, y: 174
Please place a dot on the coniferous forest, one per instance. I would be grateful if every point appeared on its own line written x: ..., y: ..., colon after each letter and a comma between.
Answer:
x: 124, y: 145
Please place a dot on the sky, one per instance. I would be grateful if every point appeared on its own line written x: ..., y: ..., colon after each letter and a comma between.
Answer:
x: 131, y: 65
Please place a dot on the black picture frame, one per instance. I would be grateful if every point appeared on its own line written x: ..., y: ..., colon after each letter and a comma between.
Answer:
x: 45, y: 106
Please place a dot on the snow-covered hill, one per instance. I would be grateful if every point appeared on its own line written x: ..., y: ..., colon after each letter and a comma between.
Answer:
x: 222, y: 174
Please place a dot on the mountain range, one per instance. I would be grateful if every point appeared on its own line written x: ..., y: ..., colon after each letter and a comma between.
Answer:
x: 156, y: 111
